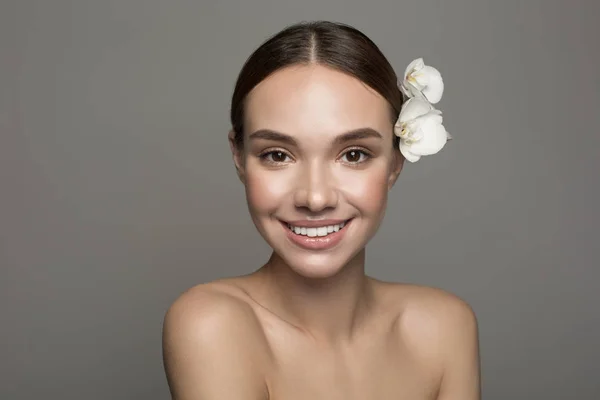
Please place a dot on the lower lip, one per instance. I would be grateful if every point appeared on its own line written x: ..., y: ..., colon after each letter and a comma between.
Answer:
x: 317, y: 242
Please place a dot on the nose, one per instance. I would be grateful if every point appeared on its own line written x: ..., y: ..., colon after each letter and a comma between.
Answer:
x: 315, y: 190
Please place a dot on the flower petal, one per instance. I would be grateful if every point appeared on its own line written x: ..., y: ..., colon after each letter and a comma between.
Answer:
x: 433, y: 139
x: 412, y: 109
x: 408, y: 84
x: 410, y: 90
x: 431, y: 83
x: 414, y: 65
x: 405, y: 150
x: 420, y: 78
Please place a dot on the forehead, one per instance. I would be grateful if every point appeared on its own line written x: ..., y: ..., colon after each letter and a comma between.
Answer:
x: 313, y: 101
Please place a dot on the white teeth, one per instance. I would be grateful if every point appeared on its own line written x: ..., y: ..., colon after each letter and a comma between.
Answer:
x: 316, y: 231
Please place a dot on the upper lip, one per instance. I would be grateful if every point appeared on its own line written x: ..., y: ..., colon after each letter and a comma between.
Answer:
x: 303, y: 223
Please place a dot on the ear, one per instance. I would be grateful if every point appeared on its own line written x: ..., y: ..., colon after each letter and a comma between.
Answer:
x: 238, y: 156
x: 397, y: 164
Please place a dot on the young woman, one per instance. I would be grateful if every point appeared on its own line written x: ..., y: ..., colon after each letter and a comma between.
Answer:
x: 321, y: 128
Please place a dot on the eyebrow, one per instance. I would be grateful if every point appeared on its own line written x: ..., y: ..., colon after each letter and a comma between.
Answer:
x: 355, y: 134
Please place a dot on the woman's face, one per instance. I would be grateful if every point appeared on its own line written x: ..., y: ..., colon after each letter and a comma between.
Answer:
x: 317, y: 163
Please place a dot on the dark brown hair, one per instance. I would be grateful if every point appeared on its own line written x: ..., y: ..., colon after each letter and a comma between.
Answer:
x: 331, y: 44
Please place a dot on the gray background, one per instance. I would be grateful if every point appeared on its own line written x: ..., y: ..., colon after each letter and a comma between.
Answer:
x: 118, y: 191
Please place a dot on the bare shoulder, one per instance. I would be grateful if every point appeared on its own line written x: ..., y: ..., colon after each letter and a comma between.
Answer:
x: 435, y: 304
x: 209, y: 300
x: 432, y: 315
x: 212, y: 346
x: 441, y: 331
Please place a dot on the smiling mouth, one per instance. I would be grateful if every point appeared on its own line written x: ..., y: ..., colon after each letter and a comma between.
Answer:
x: 317, y: 231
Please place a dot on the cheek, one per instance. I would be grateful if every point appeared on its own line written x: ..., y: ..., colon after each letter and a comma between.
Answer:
x: 265, y: 190
x: 368, y: 189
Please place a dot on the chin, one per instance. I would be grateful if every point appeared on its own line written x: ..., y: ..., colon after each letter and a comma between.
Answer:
x: 315, y: 266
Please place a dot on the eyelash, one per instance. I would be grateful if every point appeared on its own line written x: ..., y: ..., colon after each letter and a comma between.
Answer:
x: 264, y: 156
x: 367, y: 155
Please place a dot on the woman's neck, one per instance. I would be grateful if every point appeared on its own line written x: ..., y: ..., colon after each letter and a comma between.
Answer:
x: 330, y: 310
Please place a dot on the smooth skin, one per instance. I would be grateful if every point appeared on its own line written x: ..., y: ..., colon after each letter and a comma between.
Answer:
x: 310, y: 324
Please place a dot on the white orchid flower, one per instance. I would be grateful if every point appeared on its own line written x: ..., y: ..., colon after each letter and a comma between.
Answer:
x: 420, y: 129
x: 422, y: 80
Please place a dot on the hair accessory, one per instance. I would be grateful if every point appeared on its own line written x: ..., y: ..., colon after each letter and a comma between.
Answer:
x: 419, y: 125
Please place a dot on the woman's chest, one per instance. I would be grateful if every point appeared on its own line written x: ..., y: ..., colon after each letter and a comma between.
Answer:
x: 381, y: 370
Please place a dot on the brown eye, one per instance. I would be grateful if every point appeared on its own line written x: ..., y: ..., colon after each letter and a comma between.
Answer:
x: 278, y: 156
x: 355, y: 156
x: 275, y: 157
